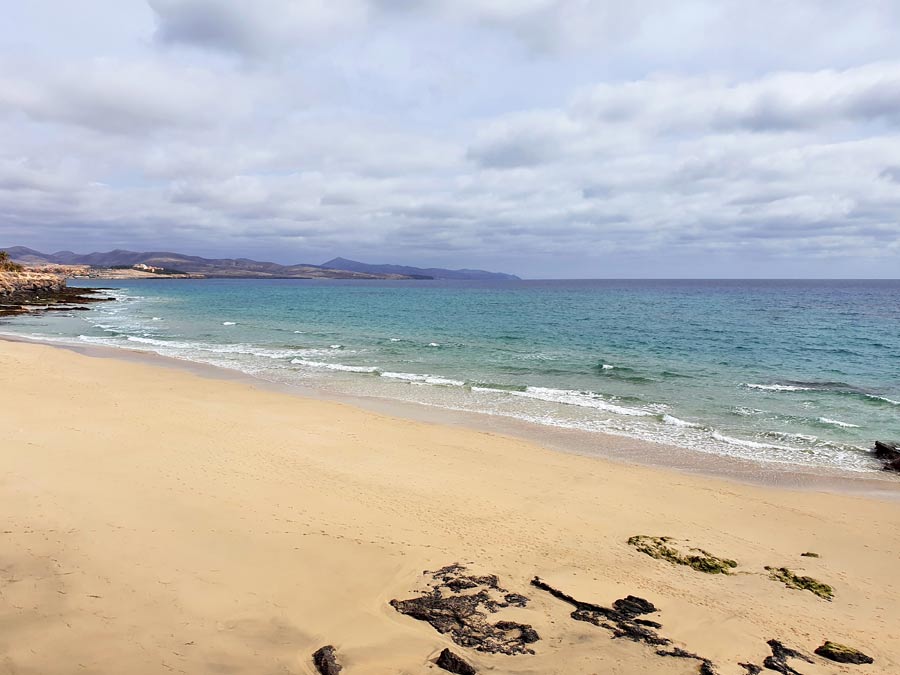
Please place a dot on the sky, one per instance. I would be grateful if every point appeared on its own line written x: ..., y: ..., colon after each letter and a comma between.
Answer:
x: 547, y: 138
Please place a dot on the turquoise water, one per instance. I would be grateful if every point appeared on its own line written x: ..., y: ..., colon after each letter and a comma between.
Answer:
x: 797, y: 372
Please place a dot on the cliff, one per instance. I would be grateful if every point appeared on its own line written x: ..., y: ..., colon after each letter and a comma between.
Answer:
x: 28, y: 287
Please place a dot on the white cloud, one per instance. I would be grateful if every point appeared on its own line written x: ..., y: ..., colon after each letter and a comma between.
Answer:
x: 548, y: 136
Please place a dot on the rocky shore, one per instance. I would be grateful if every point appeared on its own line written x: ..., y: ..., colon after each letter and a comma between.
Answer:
x: 23, y: 291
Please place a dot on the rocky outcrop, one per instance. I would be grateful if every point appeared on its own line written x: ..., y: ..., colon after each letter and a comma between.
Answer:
x: 27, y: 287
x: 325, y: 660
x: 843, y: 654
x: 26, y: 290
x: 453, y: 663
x: 889, y: 453
x: 458, y: 605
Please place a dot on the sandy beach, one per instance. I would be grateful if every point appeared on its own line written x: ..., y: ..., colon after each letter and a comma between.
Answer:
x: 158, y: 521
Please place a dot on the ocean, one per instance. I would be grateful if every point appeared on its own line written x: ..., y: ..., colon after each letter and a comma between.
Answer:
x: 803, y: 373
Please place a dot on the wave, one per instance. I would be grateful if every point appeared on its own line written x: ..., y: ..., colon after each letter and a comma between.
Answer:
x: 776, y: 387
x: 756, y: 445
x: 837, y: 423
x: 882, y: 399
x: 229, y: 323
x: 334, y: 366
x: 491, y: 386
x: 420, y: 378
x: 622, y: 374
x: 584, y: 399
x: 744, y: 411
x: 678, y: 422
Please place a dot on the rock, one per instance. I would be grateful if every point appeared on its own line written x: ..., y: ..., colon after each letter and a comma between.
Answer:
x: 779, y: 659
x: 326, y: 662
x: 843, y: 654
x: 463, y: 616
x: 621, y: 619
x: 809, y: 554
x: 41, y: 289
x: 792, y: 580
x: 516, y: 600
x: 634, y: 606
x: 706, y: 666
x: 889, y: 453
x: 454, y: 664
x: 669, y: 549
x: 751, y: 668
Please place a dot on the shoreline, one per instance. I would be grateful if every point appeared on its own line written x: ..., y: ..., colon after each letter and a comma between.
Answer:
x: 157, y: 519
x: 622, y: 449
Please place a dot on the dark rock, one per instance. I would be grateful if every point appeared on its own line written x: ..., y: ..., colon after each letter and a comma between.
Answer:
x: 706, y: 666
x: 454, y: 664
x: 889, y: 453
x: 751, y: 668
x: 621, y: 621
x: 634, y: 606
x: 779, y: 659
x: 843, y: 654
x: 516, y: 600
x: 326, y: 661
x: 463, y: 616
x: 885, y: 450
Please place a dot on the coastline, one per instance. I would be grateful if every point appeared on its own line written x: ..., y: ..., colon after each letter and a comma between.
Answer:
x: 593, y: 444
x: 160, y: 520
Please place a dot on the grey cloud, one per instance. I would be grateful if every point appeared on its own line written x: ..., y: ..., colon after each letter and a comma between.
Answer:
x: 114, y: 97
x: 251, y: 28
x: 892, y: 173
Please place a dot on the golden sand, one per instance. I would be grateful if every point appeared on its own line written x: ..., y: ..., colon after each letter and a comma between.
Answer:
x: 156, y: 521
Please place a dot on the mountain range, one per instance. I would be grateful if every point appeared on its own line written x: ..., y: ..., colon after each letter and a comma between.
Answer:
x: 337, y: 268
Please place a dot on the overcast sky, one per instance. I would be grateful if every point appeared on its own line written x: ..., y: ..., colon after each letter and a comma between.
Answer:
x: 549, y: 138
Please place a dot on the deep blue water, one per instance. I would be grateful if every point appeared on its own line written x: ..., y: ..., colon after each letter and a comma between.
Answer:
x: 804, y: 372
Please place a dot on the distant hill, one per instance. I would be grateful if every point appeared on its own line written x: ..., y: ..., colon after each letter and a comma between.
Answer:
x: 416, y: 272
x: 339, y: 268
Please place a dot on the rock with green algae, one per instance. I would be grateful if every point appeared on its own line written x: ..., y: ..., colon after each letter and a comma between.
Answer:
x: 843, y: 654
x: 792, y: 580
x: 669, y: 549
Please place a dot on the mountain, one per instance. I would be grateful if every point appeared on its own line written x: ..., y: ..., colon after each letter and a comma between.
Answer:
x: 209, y: 267
x: 339, y: 268
x: 417, y: 272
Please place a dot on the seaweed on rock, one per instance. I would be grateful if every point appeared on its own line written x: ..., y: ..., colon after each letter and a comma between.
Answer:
x: 843, y: 654
x: 669, y: 549
x: 792, y: 580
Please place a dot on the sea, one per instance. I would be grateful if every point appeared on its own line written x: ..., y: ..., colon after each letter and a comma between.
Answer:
x: 802, y: 373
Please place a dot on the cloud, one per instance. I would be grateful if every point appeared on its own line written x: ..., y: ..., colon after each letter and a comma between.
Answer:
x: 550, y: 137
x: 111, y: 96
x: 788, y: 101
x: 251, y: 28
